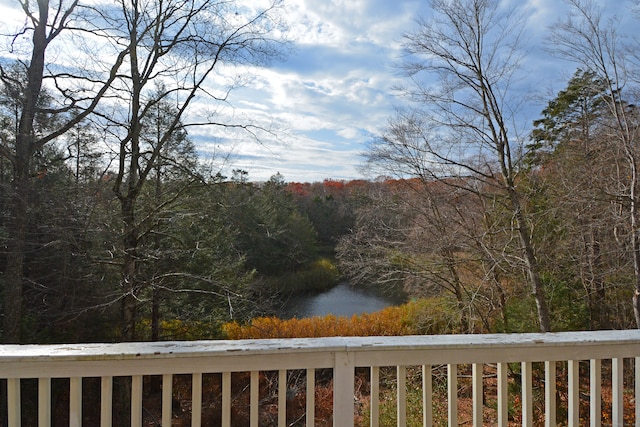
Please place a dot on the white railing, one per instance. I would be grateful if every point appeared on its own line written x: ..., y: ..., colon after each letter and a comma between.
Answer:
x: 612, y: 357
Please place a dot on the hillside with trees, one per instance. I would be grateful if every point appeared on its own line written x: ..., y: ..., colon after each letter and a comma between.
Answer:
x: 510, y: 222
x: 113, y: 227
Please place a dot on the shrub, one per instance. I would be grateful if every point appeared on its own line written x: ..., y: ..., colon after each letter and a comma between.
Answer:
x: 320, y: 275
x: 173, y: 330
x: 428, y: 316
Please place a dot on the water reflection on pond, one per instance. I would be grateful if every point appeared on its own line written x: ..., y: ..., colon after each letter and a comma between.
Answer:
x: 342, y: 300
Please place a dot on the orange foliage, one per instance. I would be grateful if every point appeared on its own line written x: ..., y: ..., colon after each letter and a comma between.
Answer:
x: 389, y: 321
x: 330, y: 184
x: 298, y: 188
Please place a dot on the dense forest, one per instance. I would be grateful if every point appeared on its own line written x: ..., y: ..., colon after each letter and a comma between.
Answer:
x: 114, y: 228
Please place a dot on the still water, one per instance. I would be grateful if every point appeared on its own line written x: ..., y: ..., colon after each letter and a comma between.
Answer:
x: 342, y: 300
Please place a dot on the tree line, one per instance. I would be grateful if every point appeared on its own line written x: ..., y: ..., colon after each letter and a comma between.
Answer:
x: 111, y: 223
x: 488, y: 206
x: 115, y: 104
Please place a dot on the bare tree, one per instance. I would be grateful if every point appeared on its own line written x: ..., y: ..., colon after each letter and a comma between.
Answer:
x: 472, y: 48
x: 73, y: 92
x: 429, y: 222
x: 186, y: 45
x: 585, y: 38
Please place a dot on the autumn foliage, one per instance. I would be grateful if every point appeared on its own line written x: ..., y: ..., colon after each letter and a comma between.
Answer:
x: 407, y: 319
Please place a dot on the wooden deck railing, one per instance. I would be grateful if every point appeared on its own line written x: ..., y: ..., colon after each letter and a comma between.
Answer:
x: 550, y: 359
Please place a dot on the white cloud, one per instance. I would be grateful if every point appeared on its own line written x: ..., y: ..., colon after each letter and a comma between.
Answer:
x: 335, y: 89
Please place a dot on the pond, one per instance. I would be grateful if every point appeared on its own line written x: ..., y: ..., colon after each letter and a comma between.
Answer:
x: 342, y: 300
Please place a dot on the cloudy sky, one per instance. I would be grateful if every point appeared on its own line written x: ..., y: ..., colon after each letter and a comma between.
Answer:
x: 334, y: 91
x: 329, y: 95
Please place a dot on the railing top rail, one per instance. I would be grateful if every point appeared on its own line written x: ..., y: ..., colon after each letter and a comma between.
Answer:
x: 183, y: 349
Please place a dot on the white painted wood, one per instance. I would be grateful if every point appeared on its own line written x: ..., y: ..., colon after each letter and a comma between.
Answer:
x: 13, y: 402
x: 527, y: 394
x: 401, y: 404
x: 340, y: 353
x: 617, y: 389
x: 550, y: 393
x: 44, y: 402
x: 136, y: 401
x: 503, y: 395
x: 343, y: 389
x: 106, y: 401
x: 226, y: 399
x: 477, y: 392
x: 311, y: 398
x: 86, y: 360
x: 595, y: 400
x: 196, y: 399
x: 254, y: 399
x: 452, y: 394
x: 375, y: 397
x: 167, y: 399
x: 427, y: 396
x: 282, y: 398
x: 573, y: 382
x: 75, y: 402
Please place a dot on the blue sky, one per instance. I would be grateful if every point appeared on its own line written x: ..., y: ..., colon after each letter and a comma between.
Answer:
x: 334, y: 91
x: 330, y: 95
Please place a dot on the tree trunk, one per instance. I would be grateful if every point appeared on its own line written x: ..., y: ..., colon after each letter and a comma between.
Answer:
x: 533, y: 269
x: 635, y: 238
x: 13, y: 286
x: 636, y: 269
x: 25, y: 143
x: 155, y: 291
x: 458, y: 290
x: 155, y: 314
x: 503, y: 303
x: 594, y: 284
x: 129, y: 280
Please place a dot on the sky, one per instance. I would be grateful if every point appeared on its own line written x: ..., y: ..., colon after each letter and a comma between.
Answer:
x: 329, y: 96
x: 334, y: 92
